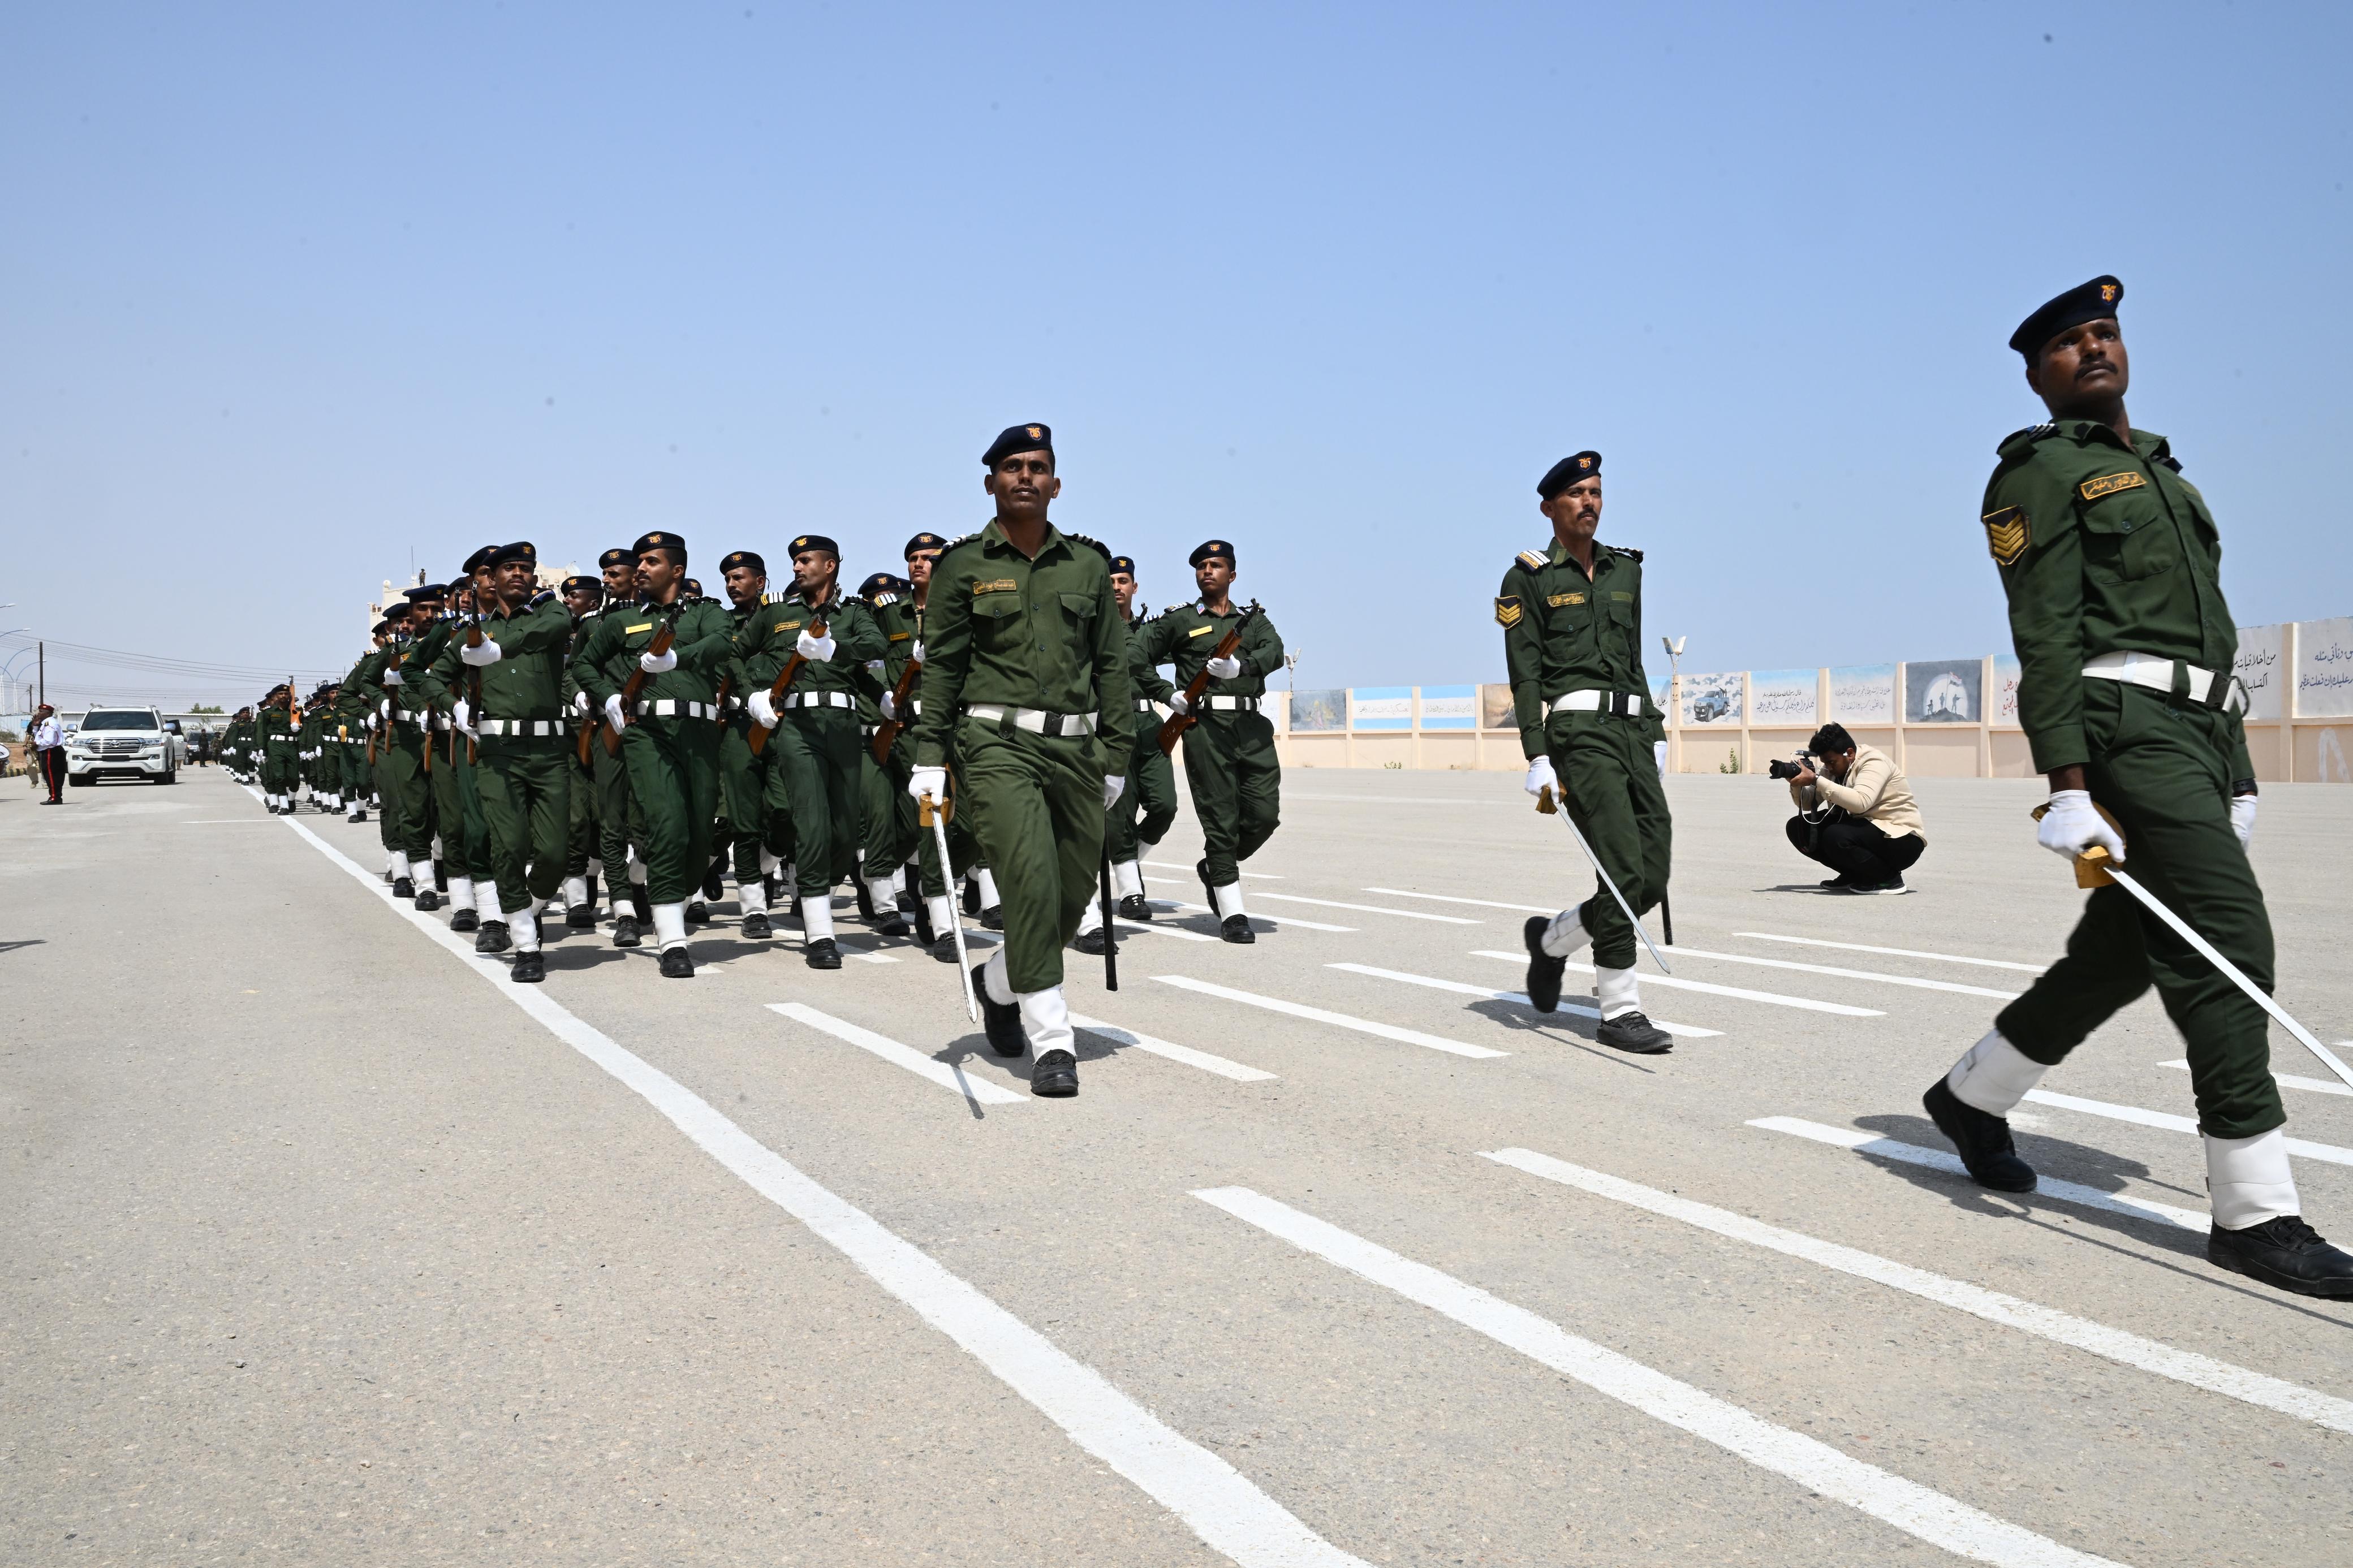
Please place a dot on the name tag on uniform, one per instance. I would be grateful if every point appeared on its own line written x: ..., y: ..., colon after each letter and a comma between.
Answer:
x: 1200, y: 631
x: 1560, y: 599
x: 785, y: 626
x: 2109, y: 484
x: 1002, y: 585
x: 632, y: 631
x: 901, y: 636
x: 1623, y: 598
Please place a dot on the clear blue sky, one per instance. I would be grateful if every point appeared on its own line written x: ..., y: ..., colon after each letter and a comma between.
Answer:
x: 293, y: 291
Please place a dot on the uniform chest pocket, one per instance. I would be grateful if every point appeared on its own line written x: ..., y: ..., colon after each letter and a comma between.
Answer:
x: 996, y: 620
x: 1569, y: 611
x: 2129, y: 538
x: 1079, y: 609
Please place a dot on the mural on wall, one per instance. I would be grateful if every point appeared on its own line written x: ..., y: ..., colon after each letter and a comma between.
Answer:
x: 1320, y: 711
x: 1384, y: 708
x: 1495, y: 707
x: 2323, y: 669
x: 1944, y: 691
x: 1863, y: 694
x: 2258, y: 670
x: 2005, y: 672
x: 1450, y: 707
x: 1712, y: 699
x: 1782, y: 697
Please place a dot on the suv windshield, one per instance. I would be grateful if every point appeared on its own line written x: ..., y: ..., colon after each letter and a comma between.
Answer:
x: 126, y: 720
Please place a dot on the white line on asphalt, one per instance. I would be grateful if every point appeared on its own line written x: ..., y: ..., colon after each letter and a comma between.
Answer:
x: 1941, y: 1159
x: 1367, y: 909
x: 1445, y: 899
x: 1179, y: 931
x: 1175, y: 1053
x: 1171, y: 866
x: 863, y: 955
x: 947, y: 1075
x: 1879, y: 975
x: 2310, y: 1150
x: 2117, y: 1346
x: 1400, y: 800
x: 1256, y: 915
x: 1677, y: 983
x: 1916, y: 1510
x: 1893, y: 952
x: 1686, y: 1031
x: 224, y: 821
x: 1339, y: 1020
x: 2287, y: 1080
x: 1215, y: 1501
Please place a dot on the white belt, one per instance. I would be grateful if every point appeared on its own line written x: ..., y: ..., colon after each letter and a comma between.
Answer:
x: 1037, y: 721
x: 2159, y: 674
x: 819, y: 699
x: 671, y: 708
x: 1233, y: 704
x: 523, y: 726
x: 1626, y: 704
x: 1144, y: 705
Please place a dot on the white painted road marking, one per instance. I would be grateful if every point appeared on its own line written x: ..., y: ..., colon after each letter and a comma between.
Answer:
x: 1190, y: 872
x: 1175, y: 1053
x: 1215, y: 1501
x: 2194, y: 1220
x: 1444, y: 899
x: 1254, y: 914
x: 1916, y: 1510
x: 1677, y: 983
x: 1686, y: 1031
x: 947, y: 1075
x: 2117, y: 1346
x: 1338, y: 1020
x: 1367, y: 909
x: 2171, y: 1123
x: 863, y: 954
x: 2287, y: 1080
x: 1893, y: 952
x: 1873, y: 974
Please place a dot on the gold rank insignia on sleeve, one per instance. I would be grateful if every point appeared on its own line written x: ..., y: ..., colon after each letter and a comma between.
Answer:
x: 1507, y: 610
x: 2007, y: 534
x: 2109, y: 484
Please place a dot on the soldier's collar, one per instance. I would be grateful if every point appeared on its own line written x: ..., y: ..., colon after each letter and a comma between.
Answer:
x: 992, y: 537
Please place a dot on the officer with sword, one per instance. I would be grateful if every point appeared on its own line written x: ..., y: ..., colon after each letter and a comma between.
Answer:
x: 2111, y: 562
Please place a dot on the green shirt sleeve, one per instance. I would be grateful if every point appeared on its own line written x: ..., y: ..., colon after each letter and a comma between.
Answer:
x: 1522, y: 657
x: 2045, y: 581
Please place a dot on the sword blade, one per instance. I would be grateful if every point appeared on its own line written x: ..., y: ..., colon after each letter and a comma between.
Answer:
x: 1603, y: 872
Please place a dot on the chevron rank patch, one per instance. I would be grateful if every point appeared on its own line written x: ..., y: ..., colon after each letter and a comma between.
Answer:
x: 1507, y: 610
x: 2008, y: 533
x: 2109, y: 484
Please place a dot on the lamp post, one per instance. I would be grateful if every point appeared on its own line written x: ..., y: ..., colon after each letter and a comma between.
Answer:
x: 1674, y: 647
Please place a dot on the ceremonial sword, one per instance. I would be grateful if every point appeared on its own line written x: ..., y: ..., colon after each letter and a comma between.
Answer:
x: 935, y: 813
x: 1544, y: 803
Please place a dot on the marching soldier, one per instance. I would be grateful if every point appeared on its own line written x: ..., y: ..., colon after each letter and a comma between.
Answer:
x: 814, y: 778
x: 275, y: 736
x: 886, y: 825
x: 407, y: 718
x: 1229, y: 759
x: 2110, y: 560
x: 1572, y: 620
x: 583, y: 596
x: 621, y: 830
x: 904, y: 633
x: 1144, y: 811
x: 743, y: 776
x: 671, y: 736
x: 1028, y: 678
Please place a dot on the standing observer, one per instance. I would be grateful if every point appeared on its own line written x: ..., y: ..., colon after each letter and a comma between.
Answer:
x: 1855, y: 814
x: 49, y: 746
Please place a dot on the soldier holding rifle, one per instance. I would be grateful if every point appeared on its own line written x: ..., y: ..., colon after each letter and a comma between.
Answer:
x: 583, y: 597
x: 1144, y: 810
x: 887, y: 826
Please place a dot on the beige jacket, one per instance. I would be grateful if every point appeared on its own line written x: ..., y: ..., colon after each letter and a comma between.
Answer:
x: 1873, y: 791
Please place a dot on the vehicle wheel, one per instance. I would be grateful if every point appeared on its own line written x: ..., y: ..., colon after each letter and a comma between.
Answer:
x: 77, y: 780
x: 170, y: 775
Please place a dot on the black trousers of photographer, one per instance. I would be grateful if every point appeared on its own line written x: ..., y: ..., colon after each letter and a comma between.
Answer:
x: 1855, y: 849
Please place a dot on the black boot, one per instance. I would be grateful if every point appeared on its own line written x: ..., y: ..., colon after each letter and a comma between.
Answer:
x: 757, y: 926
x: 493, y: 937
x: 427, y: 900
x: 1544, y: 969
x: 466, y: 920
x: 581, y: 917
x: 677, y: 964
x: 2285, y: 1254
x: 440, y: 877
x: 865, y: 899
x: 404, y: 887
x: 640, y: 906
x: 887, y: 920
x: 972, y: 895
x: 993, y: 918
x: 822, y: 954
x: 924, y: 931
x: 529, y: 967
x: 698, y: 913
x: 592, y: 896
x: 1090, y: 943
x: 1982, y: 1140
x: 1633, y: 1032
x: 626, y: 932
x: 1236, y: 929
x: 711, y: 886
x: 1134, y: 907
x: 1001, y: 1021
x: 907, y: 901
x: 1055, y: 1076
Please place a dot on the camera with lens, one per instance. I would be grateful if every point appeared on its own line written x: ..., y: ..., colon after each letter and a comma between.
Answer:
x: 1804, y: 763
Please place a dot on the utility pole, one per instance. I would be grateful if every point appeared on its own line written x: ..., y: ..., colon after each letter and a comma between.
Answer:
x: 41, y: 661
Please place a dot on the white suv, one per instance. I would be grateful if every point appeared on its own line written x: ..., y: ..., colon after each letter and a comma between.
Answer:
x: 122, y: 742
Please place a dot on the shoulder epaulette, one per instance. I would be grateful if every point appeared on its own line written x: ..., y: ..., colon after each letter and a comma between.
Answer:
x: 847, y: 599
x: 1627, y: 551
x: 2030, y: 433
x: 774, y: 598
x: 1533, y: 560
x: 541, y: 599
x: 959, y: 539
x: 884, y: 598
x: 1097, y: 545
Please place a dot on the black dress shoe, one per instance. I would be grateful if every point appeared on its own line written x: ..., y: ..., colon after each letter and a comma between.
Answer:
x: 944, y: 950
x: 1633, y: 1032
x: 891, y: 925
x: 677, y: 964
x: 1134, y: 907
x: 865, y: 898
x: 822, y: 954
x: 1544, y: 969
x: 404, y: 887
x: 757, y: 926
x: 698, y: 913
x: 1236, y: 929
x: 427, y: 900
x: 358, y: 814
x: 1981, y: 1139
x: 924, y: 931
x: 712, y: 887
x: 2283, y: 1253
x: 971, y: 896
x: 580, y: 917
x: 529, y: 967
x: 493, y: 937
x: 1055, y: 1076
x: 993, y: 918
x: 640, y: 905
x: 626, y: 932
x: 465, y: 920
x: 1001, y: 1021
x: 908, y: 903
x: 1090, y: 943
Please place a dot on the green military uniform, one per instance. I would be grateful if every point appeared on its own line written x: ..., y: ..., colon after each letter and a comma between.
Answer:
x: 273, y: 729
x: 461, y: 840
x: 1142, y: 815
x: 580, y: 848
x: 406, y: 738
x: 754, y: 849
x: 887, y: 816
x: 1229, y: 757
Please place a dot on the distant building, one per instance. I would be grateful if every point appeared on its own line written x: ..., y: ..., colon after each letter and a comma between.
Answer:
x: 549, y: 577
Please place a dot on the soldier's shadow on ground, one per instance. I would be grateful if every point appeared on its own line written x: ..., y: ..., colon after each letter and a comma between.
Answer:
x: 972, y: 1055
x: 1816, y: 890
x: 1557, y: 1028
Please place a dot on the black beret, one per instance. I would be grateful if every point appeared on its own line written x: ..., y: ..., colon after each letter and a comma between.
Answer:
x: 381, y: 628
x: 430, y: 591
x: 1123, y: 564
x: 1210, y: 552
x: 1019, y: 438
x: 1566, y: 472
x: 922, y: 542
x: 2084, y: 302
x: 521, y: 550
x: 734, y: 558
x: 666, y: 542
x: 881, y: 583
x: 693, y: 588
x: 477, y: 560
x: 616, y: 558
x: 584, y: 585
x: 817, y: 542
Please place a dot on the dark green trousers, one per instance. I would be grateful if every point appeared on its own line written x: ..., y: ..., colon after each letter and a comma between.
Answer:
x: 1611, y: 775
x: 1148, y: 805
x: 524, y: 785
x: 887, y: 824
x: 580, y: 813
x: 813, y: 783
x: 742, y: 793
x: 618, y: 824
x: 279, y: 773
x: 2163, y: 770
x: 1034, y: 805
x: 409, y: 799
x: 1236, y: 783
x: 674, y: 779
x: 387, y: 817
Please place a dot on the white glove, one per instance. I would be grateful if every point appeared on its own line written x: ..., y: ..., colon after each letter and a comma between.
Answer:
x: 488, y: 653
x: 763, y: 708
x: 463, y: 715
x: 2242, y: 818
x: 580, y: 703
x: 1542, y: 778
x: 385, y: 707
x: 1226, y: 669
x: 654, y: 663
x: 1113, y: 784
x: 816, y: 650
x: 1176, y: 703
x: 613, y: 714
x: 2072, y: 826
x: 393, y: 677
x: 889, y: 704
x: 371, y: 722
x: 917, y: 652
x: 931, y: 783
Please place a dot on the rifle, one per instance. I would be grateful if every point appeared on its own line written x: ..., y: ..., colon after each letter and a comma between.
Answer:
x: 1174, y: 729
x: 759, y: 736
x: 887, y: 733
x: 638, y: 678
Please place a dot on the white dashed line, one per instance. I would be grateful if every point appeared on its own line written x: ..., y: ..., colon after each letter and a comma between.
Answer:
x: 1893, y: 952
x: 1480, y: 903
x: 1337, y: 1020
x: 1175, y: 1053
x: 1877, y: 976
x: 2171, y: 1123
x: 2286, y: 1079
x: 947, y: 1075
x: 1677, y: 983
x: 1432, y: 982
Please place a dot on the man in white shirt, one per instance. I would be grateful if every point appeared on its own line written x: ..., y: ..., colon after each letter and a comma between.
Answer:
x: 49, y: 742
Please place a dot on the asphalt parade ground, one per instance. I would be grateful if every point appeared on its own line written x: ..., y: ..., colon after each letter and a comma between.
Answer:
x: 327, y: 1243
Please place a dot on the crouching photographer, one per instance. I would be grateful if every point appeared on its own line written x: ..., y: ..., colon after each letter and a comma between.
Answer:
x: 1855, y: 812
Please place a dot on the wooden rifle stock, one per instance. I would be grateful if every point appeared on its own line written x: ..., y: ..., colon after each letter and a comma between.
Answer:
x: 886, y: 734
x: 637, y: 682
x: 1174, y: 729
x: 758, y: 739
